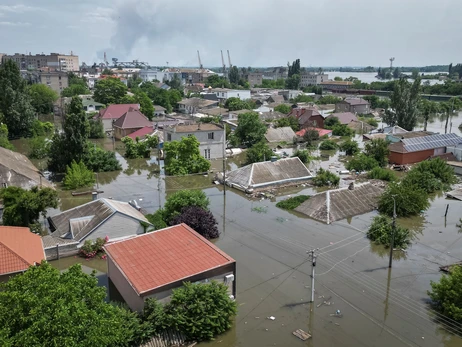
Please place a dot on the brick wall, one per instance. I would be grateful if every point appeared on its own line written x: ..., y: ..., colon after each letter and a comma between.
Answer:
x: 409, y: 158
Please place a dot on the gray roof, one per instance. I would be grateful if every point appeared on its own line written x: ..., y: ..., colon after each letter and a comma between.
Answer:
x: 341, y: 203
x: 280, y: 134
x: 356, y: 101
x: 430, y: 142
x: 159, y: 108
x: 344, y: 117
x: 268, y: 173
x: 76, y: 223
x: 197, y: 102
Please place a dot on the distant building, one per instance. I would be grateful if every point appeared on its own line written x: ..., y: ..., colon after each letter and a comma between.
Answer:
x: 90, y: 105
x: 55, y: 80
x: 192, y: 105
x: 275, y: 73
x: 159, y: 110
x: 112, y: 113
x: 149, y: 75
x: 209, y: 135
x: 129, y: 122
x: 353, y: 105
x: 282, y: 134
x: 344, y: 117
x: 223, y: 94
x: 336, y: 85
x: 308, y: 117
x: 290, y: 94
x: 188, y: 75
x: 255, y: 78
x: 312, y: 79
x: 52, y: 61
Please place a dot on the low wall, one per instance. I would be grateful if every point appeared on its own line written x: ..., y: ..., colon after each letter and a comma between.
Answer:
x: 63, y: 251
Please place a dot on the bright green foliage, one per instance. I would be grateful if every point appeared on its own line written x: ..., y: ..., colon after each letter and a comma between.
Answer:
x: 23, y: 207
x: 44, y: 307
x: 303, y: 98
x: 342, y: 130
x: 410, y: 200
x: 283, y: 108
x: 287, y: 122
x: 39, y: 147
x: 93, y: 248
x: 77, y: 176
x: 146, y: 106
x: 330, y: 122
x: 4, y: 137
x: 236, y: 104
x: 361, y: 162
x: 381, y: 230
x: 139, y: 149
x: 431, y: 175
x: 369, y: 120
x: 447, y: 294
x: 155, y: 317
x: 161, y: 97
x: 382, y: 174
x: 259, y: 152
x: 96, y: 129
x: 325, y: 178
x: 98, y: 160
x: 350, y: 147
x: 75, y: 90
x: 303, y: 155
x: 42, y: 128
x: 378, y: 149
x: 183, y: 157
x: 250, y: 129
x: 293, y: 202
x: 328, y: 145
x: 328, y: 99
x: 42, y: 98
x: 216, y: 81
x: 405, y: 101
x: 157, y: 219
x: 184, y: 198
x: 109, y: 91
x: 201, y: 311
x: 377, y: 102
x: 16, y: 110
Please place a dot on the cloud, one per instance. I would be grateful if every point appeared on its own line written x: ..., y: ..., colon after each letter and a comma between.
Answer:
x: 98, y: 15
x: 15, y: 24
x: 18, y: 8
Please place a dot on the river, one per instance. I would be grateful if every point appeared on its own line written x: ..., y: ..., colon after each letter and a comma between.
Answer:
x: 368, y: 77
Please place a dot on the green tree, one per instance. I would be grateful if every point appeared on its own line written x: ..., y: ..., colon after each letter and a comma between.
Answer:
x: 39, y: 147
x: 4, y: 137
x: 183, y: 157
x: 427, y: 108
x: 75, y: 90
x: 258, y: 152
x: 328, y: 145
x: 23, y: 207
x: 342, y: 130
x: 381, y: 230
x: 44, y: 307
x: 361, y: 162
x: 310, y: 136
x: 303, y: 155
x: 415, y: 74
x: 336, y: 78
x: 328, y: 99
x: 288, y: 122
x: 446, y: 294
x: 405, y: 100
x: 378, y: 149
x: 96, y: 129
x: 202, y: 311
x: 107, y: 72
x: 77, y: 176
x: 293, y: 82
x: 330, y: 122
x: 294, y: 69
x: 396, y: 72
x: 382, y: 174
x: 202, y: 221
x: 42, y: 98
x: 140, y: 149
x: 283, y: 108
x: 146, y: 106
x: 350, y: 147
x: 98, y: 160
x: 16, y: 110
x: 236, y: 104
x: 325, y: 178
x: 109, y: 91
x: 176, y: 202
x: 410, y: 200
x: 233, y: 75
x: 250, y: 129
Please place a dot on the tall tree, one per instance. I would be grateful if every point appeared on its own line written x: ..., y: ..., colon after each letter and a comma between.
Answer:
x: 234, y: 75
x: 183, y: 157
x: 405, y: 100
x: 146, y: 106
x: 427, y: 108
x: 16, y: 110
x: 42, y: 98
x: 110, y: 90
x: 294, y: 69
x: 250, y: 129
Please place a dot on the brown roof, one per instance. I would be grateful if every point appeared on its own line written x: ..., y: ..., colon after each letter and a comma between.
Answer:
x: 131, y: 119
x: 356, y: 101
x: 19, y: 249
x: 344, y: 117
x: 217, y: 111
x: 197, y: 102
x: 165, y: 256
x: 276, y: 98
x: 115, y: 111
x: 196, y: 127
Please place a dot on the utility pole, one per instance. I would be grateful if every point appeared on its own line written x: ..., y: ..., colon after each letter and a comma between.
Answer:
x: 313, y: 265
x: 393, y: 230
x: 224, y: 159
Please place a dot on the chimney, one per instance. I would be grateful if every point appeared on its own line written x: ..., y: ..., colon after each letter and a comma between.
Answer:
x: 351, y: 186
x: 94, y: 196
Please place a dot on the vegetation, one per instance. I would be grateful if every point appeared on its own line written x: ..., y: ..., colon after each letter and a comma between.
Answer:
x: 98, y: 160
x: 310, y: 136
x: 325, y: 178
x: 287, y: 122
x: 381, y: 230
x: 405, y: 100
x: 42, y: 128
x: 96, y: 129
x: 431, y: 175
x: 342, y: 130
x: 23, y: 207
x: 161, y: 97
x: 303, y: 98
x: 39, y: 147
x: 250, y: 129
x: 183, y: 157
x: 236, y: 104
x: 350, y: 147
x: 382, y: 174
x: 16, y: 110
x: 77, y: 176
x: 378, y: 149
x: 273, y: 84
x: 109, y: 91
x: 446, y: 294
x: 303, y: 155
x: 330, y: 122
x: 259, y: 152
x: 329, y: 99
x: 283, y: 108
x: 140, y: 149
x: 293, y: 78
x: 77, y: 86
x: 410, y: 200
x: 199, y: 219
x: 327, y: 145
x: 361, y: 162
x: 293, y: 202
x: 44, y: 307
x: 92, y: 249
x: 42, y: 98
x: 4, y: 142
x: 377, y: 102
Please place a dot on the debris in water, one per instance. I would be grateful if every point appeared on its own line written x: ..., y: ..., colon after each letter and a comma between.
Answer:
x: 271, y: 317
x: 260, y: 209
x: 302, y: 335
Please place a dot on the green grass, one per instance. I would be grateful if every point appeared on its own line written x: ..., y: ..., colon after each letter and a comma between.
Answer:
x: 292, y: 203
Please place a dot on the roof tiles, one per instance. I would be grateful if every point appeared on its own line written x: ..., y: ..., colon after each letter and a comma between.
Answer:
x: 115, y: 111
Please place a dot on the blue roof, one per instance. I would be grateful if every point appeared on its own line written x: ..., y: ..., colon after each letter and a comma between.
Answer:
x: 430, y: 142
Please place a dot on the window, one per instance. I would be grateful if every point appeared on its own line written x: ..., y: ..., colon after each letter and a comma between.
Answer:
x: 207, y: 153
x: 169, y: 137
x: 5, y: 185
x: 189, y: 135
x: 210, y: 136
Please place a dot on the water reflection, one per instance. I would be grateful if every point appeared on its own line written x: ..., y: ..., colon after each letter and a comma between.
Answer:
x: 384, y: 252
x: 140, y: 165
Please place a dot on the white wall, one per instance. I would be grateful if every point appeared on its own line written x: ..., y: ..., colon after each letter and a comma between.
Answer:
x: 215, y: 145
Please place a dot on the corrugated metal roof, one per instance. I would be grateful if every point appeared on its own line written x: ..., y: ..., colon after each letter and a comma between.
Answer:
x: 280, y: 134
x: 430, y: 142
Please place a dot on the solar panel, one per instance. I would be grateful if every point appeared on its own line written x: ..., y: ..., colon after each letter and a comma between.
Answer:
x: 429, y: 142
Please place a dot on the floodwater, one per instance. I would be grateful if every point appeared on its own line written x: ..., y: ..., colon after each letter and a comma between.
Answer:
x: 369, y: 77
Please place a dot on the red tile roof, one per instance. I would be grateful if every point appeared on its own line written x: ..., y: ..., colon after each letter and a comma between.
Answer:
x: 320, y: 131
x: 19, y: 248
x: 115, y: 111
x: 132, y: 119
x: 141, y: 133
x: 155, y: 259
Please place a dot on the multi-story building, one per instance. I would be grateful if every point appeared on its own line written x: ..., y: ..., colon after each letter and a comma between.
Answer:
x: 336, y: 85
x: 255, y: 78
x: 51, y: 62
x: 353, y: 105
x: 275, y: 73
x: 312, y: 79
x: 223, y: 94
x: 149, y: 75
x: 1, y: 57
x: 56, y: 80
x: 188, y: 75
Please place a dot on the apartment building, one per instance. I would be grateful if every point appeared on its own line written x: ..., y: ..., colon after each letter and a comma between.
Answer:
x: 312, y: 79
x: 255, y: 78
x: 51, y: 62
x: 55, y: 80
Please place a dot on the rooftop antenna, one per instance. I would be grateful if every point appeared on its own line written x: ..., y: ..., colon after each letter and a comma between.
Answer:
x: 229, y: 60
x: 223, y: 62
x: 200, y: 63
x: 391, y: 63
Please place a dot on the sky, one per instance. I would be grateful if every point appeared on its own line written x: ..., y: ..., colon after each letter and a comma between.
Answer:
x: 256, y: 32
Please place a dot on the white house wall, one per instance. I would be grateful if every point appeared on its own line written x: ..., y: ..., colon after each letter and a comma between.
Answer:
x: 117, y: 226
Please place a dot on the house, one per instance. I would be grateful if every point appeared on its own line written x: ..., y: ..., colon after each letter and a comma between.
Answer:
x: 213, y: 112
x: 337, y: 204
x: 129, y: 122
x: 191, y: 105
x: 113, y: 112
x: 390, y: 137
x: 159, y: 110
x: 156, y: 263
x: 209, y: 135
x: 224, y: 94
x: 271, y: 115
x: 276, y: 98
x: 96, y: 219
x: 321, y: 132
x: 90, y: 105
x: 267, y: 173
x: 417, y: 149
x: 360, y: 127
x: 255, y: 78
x: 353, y: 105
x: 19, y: 249
x: 152, y: 75
x: 17, y: 170
x: 382, y: 133
x: 283, y: 134
x: 312, y: 79
x: 336, y: 85
x: 290, y: 94
x: 308, y: 117
x: 189, y: 75
x: 147, y: 130
x: 344, y: 117
x: 275, y: 73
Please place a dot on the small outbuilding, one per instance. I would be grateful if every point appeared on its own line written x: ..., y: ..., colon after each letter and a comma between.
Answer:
x: 283, y: 134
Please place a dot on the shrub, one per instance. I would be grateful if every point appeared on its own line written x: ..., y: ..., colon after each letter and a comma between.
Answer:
x: 292, y: 203
x: 96, y: 129
x: 99, y: 160
x: 184, y: 198
x: 436, y: 170
x: 410, y: 200
x: 259, y: 152
x: 201, y: 311
x: 39, y: 147
x: 378, y: 149
x: 326, y: 178
x: 77, y: 176
x: 328, y: 145
x: 202, y: 221
x: 381, y: 230
x: 361, y: 162
x: 42, y: 128
x: 139, y: 149
x: 310, y: 136
x: 382, y: 174
x: 350, y: 147
x: 303, y: 155
x: 91, y: 249
x: 447, y: 294
x: 330, y: 122
x: 342, y: 130
x: 157, y: 219
x: 155, y: 317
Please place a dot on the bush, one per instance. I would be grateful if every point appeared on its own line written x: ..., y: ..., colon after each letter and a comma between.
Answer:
x: 259, y: 152
x: 283, y: 108
x: 378, y: 149
x: 139, y: 149
x: 303, y: 155
x: 431, y: 175
x: 350, y: 147
x: 327, y: 145
x: 361, y: 162
x: 326, y: 178
x: 381, y: 230
x: 157, y: 219
x: 98, y: 160
x: 155, y: 316
x: 382, y: 174
x: 310, y: 136
x: 42, y: 128
x: 342, y: 130
x: 184, y: 198
x: 447, y: 294
x: 77, y: 176
x: 330, y: 122
x: 410, y: 200
x: 91, y: 249
x: 201, y: 311
x: 202, y: 221
x: 96, y: 129
x: 39, y: 147
x: 292, y: 203
x: 287, y: 122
